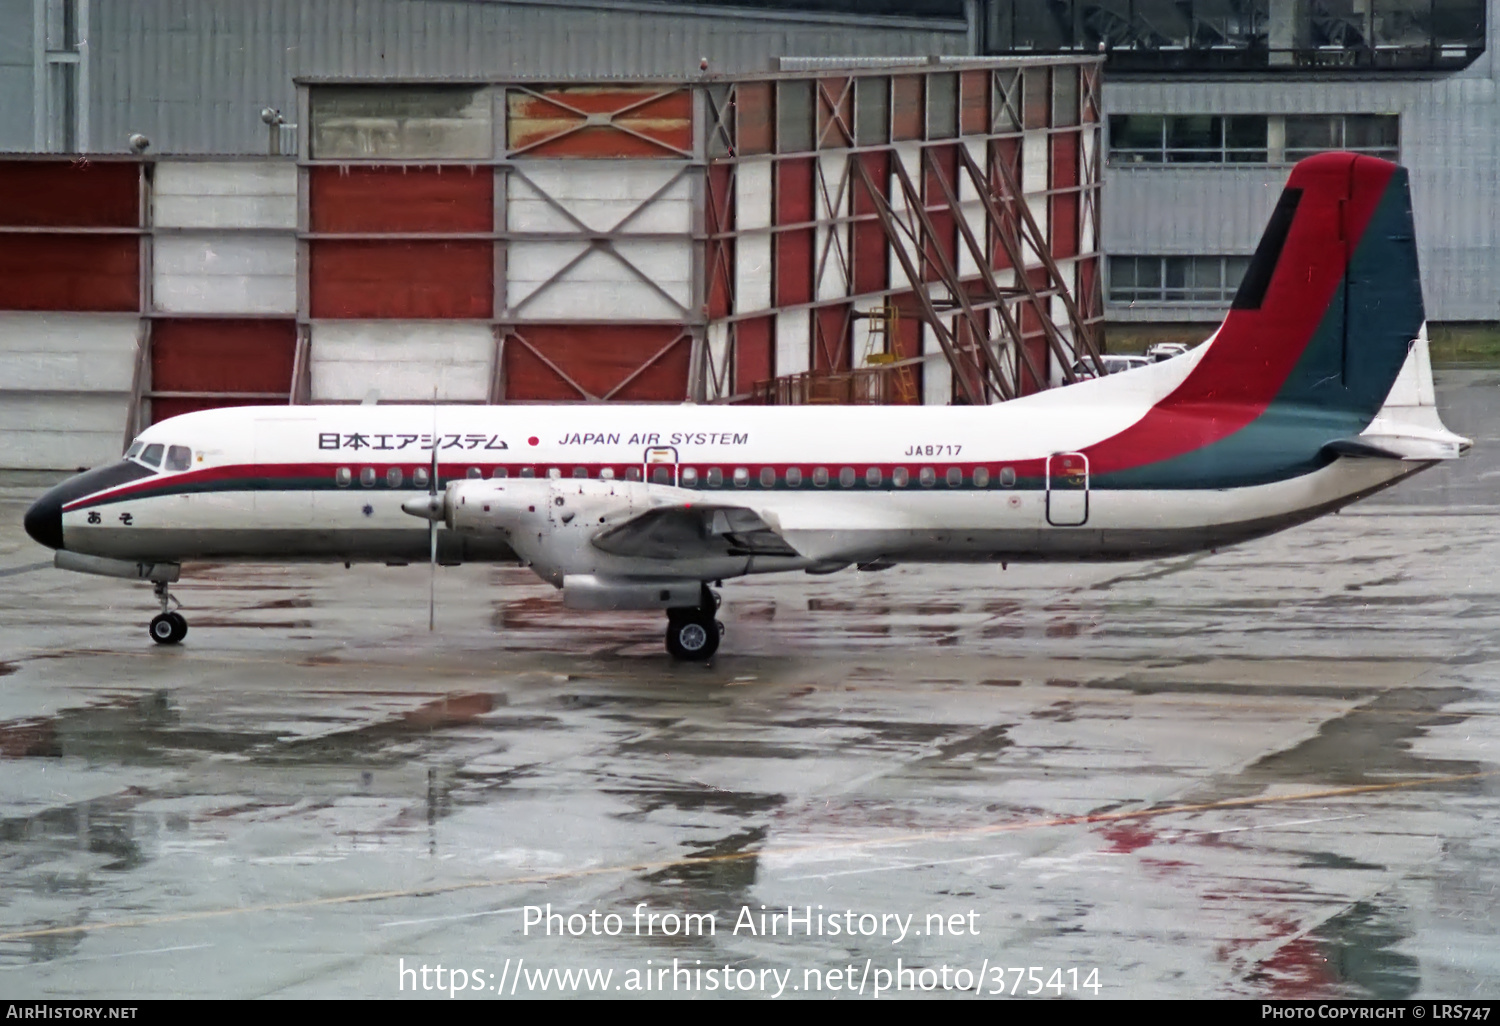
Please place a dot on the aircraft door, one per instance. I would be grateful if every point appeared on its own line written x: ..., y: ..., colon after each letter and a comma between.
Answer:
x: 1067, y: 489
x: 661, y: 465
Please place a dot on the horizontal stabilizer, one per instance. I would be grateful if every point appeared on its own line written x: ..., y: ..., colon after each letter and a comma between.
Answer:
x: 1414, y: 448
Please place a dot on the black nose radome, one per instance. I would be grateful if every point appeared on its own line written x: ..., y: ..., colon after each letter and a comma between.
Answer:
x: 43, y: 521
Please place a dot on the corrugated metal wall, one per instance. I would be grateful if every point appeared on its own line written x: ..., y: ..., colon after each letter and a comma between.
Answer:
x: 1450, y: 140
x: 17, y: 74
x: 193, y: 75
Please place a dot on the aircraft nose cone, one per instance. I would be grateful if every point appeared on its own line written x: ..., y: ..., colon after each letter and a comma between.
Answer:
x: 43, y: 521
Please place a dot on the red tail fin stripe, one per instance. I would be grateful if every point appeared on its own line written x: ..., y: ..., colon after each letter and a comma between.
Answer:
x: 1255, y: 350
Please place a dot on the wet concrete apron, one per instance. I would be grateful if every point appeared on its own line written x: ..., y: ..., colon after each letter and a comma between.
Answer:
x: 1270, y: 771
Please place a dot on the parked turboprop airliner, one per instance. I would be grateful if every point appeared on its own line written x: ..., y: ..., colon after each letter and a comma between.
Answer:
x: 1315, y: 392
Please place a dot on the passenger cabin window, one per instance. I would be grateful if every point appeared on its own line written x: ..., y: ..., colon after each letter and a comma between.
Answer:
x: 528, y: 472
x: 768, y: 477
x: 981, y: 477
x: 580, y: 471
x: 955, y: 477
x: 367, y: 477
x: 418, y: 477
x: 661, y: 475
x: 393, y: 477
x: 820, y: 477
x: 928, y: 477
x: 741, y: 477
x: 151, y: 455
x: 475, y: 473
x: 715, y: 477
x: 343, y: 477
x: 794, y: 477
x: 846, y: 477
x: 631, y: 473
x: 500, y: 473
x: 873, y: 477
x: 179, y: 457
x: 607, y: 474
x: 900, y: 476
x: 689, y: 476
x: 1007, y: 477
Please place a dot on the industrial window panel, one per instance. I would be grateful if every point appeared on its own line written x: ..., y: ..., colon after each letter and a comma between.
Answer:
x: 1188, y: 139
x: 1378, y: 135
x: 373, y: 122
x: 1175, y: 279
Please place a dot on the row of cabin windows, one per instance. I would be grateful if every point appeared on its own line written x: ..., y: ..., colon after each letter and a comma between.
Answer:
x: 714, y: 477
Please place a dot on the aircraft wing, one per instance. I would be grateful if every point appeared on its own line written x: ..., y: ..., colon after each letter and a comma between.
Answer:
x: 688, y: 531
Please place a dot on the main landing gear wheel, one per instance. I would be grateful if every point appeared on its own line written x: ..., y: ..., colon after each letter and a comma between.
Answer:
x: 692, y: 637
x: 693, y: 634
x: 168, y: 627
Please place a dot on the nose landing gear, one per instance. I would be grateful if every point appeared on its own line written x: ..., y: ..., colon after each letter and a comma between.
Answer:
x: 693, y: 633
x: 168, y: 627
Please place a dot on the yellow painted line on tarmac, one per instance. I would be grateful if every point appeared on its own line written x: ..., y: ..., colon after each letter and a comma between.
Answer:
x: 707, y: 860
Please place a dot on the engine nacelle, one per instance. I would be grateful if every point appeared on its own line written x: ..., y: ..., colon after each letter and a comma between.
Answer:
x: 547, y: 521
x: 511, y: 503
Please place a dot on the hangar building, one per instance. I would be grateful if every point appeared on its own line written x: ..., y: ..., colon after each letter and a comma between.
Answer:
x: 1210, y: 101
x: 412, y: 200
x: 239, y: 275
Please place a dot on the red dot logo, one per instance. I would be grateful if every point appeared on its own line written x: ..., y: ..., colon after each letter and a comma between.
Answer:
x: 532, y: 440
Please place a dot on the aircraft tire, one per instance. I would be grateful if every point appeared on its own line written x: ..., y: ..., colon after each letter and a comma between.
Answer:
x: 167, y: 628
x: 692, y: 638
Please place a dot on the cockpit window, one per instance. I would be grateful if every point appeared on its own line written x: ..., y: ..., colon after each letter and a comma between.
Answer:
x: 151, y: 455
x: 134, y: 450
x: 179, y: 457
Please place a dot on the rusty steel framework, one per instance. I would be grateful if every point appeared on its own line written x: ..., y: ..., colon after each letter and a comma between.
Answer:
x: 942, y: 188
x: 1000, y: 231
x: 924, y: 231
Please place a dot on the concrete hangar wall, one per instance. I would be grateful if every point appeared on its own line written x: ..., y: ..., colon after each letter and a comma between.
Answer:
x: 565, y: 237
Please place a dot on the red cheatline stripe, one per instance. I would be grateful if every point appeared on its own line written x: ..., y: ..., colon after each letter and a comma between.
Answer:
x: 1249, y: 362
x: 176, y: 483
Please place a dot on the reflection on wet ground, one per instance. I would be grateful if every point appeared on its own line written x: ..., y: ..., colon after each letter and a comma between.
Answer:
x: 1266, y: 772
